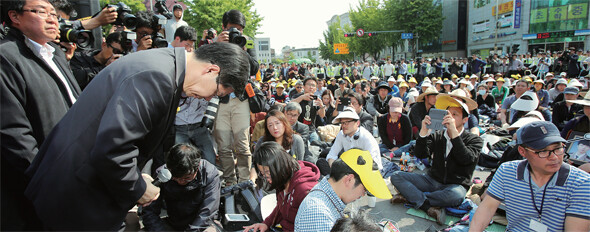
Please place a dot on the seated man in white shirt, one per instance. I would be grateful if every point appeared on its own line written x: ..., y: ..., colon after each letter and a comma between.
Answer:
x: 351, y: 135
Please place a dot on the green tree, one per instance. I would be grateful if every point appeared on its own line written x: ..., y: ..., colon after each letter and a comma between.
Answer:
x: 421, y: 17
x: 205, y: 14
x: 334, y: 34
x: 135, y: 5
x: 370, y: 17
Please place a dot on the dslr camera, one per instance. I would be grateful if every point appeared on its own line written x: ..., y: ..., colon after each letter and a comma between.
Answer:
x: 69, y: 33
x: 158, y: 40
x: 127, y: 41
x: 236, y: 37
x: 210, y: 33
x: 124, y: 18
x: 162, y: 9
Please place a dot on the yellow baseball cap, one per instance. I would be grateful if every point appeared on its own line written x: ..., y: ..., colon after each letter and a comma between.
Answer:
x: 412, y: 80
x: 362, y: 163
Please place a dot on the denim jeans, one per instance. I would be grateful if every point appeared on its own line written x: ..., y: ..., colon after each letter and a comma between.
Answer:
x: 198, y: 136
x: 416, y: 188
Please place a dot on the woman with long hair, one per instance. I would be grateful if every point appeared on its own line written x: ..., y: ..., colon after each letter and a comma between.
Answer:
x: 279, y: 130
x: 291, y: 179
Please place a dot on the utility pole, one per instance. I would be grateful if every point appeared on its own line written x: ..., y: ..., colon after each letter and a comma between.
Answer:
x: 496, y: 33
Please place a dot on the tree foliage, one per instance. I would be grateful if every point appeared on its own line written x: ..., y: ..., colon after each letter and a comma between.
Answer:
x: 205, y: 14
x: 420, y: 17
x: 334, y: 34
x: 370, y: 17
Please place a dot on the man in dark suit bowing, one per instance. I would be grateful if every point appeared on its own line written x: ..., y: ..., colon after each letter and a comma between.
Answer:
x: 87, y: 174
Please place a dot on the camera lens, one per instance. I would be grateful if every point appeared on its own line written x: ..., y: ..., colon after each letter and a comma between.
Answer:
x: 129, y: 21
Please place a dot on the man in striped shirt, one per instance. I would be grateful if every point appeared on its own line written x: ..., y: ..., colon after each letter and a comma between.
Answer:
x: 541, y: 193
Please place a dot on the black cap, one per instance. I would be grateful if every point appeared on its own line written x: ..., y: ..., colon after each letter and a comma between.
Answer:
x: 177, y: 6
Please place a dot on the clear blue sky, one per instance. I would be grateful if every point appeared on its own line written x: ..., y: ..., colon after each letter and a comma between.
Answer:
x: 298, y: 23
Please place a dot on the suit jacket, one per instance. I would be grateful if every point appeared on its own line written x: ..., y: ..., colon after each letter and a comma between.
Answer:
x: 34, y: 99
x: 87, y: 174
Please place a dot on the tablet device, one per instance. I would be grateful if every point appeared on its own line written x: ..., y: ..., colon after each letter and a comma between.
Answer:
x: 436, y: 118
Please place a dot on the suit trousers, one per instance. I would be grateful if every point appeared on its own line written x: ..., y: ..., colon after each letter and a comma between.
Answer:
x: 231, y: 132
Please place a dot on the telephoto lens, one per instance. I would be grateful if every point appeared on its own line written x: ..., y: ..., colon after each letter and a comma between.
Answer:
x: 210, y: 113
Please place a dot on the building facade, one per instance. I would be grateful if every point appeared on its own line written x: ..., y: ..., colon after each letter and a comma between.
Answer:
x: 497, y: 26
x: 452, y: 40
x: 263, y: 50
x: 558, y: 25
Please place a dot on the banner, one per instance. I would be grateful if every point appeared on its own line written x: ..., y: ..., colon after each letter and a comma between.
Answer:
x: 503, y: 8
x: 517, y: 13
x: 577, y: 11
x: 481, y: 27
x: 539, y: 15
x: 557, y: 13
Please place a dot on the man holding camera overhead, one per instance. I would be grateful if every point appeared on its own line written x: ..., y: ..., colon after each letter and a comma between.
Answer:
x: 454, y: 153
x: 37, y: 89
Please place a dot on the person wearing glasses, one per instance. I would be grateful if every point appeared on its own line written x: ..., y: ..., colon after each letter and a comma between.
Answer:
x: 86, y: 64
x: 351, y: 135
x: 541, y: 193
x: 291, y: 179
x: 37, y: 89
x: 192, y: 195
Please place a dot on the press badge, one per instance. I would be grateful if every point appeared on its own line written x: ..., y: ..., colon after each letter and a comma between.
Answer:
x: 537, y: 226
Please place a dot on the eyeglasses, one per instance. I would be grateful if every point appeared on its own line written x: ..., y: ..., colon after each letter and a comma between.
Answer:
x: 344, y: 123
x: 43, y: 13
x: 116, y: 50
x: 546, y: 153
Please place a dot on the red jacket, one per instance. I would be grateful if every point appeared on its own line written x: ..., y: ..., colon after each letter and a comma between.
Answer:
x: 300, y: 184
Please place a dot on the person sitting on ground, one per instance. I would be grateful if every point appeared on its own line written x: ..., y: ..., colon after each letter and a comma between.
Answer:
x: 500, y: 92
x: 454, y: 153
x: 560, y: 86
x: 328, y: 100
x: 520, y: 88
x: 381, y: 99
x: 580, y: 123
x: 292, y: 111
x: 278, y: 129
x: 564, y: 111
x: 341, y: 90
x: 192, y: 196
x: 424, y: 103
x: 542, y: 94
x: 352, y: 135
x: 352, y: 175
x: 395, y: 128
x: 540, y: 193
x: 292, y: 180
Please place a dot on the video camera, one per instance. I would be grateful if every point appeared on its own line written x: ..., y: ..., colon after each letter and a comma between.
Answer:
x: 68, y: 33
x: 124, y: 18
x: 236, y: 37
x: 161, y: 6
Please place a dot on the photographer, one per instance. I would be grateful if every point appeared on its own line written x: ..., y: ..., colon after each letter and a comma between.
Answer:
x: 144, y: 30
x: 174, y: 23
x: 185, y: 37
x: 86, y: 64
x: 208, y: 36
x: 231, y: 128
x: 65, y: 10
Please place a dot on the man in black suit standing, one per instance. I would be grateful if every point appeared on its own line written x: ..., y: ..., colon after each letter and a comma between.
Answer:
x: 36, y: 90
x: 87, y: 174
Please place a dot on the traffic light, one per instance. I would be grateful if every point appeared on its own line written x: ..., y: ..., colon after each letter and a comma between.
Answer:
x: 372, y: 33
x: 515, y: 48
x: 348, y: 34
